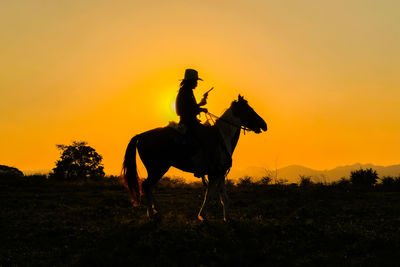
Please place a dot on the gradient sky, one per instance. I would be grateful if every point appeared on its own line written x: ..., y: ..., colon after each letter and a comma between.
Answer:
x: 323, y: 74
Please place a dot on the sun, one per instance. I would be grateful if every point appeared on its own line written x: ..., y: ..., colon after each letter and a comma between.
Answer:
x: 173, y: 106
x: 166, y: 106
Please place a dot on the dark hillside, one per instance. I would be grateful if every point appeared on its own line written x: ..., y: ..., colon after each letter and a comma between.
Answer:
x: 93, y: 224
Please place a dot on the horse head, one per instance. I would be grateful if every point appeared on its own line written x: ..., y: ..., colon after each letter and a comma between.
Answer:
x: 248, y: 117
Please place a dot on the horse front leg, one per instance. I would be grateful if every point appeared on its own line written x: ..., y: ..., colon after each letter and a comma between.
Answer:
x: 212, y: 186
x: 223, y: 196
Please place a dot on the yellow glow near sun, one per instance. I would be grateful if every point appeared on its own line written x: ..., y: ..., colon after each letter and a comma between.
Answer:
x: 173, y: 106
x: 166, y: 105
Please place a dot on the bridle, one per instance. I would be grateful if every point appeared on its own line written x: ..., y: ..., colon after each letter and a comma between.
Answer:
x: 212, y: 117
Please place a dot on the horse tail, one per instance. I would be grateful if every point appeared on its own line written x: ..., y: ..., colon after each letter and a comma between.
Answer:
x: 130, y: 174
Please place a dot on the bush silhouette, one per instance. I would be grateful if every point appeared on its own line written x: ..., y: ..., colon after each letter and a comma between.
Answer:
x: 305, y: 181
x: 229, y: 184
x: 245, y: 181
x: 365, y: 178
x: 343, y: 183
x: 78, y: 162
x: 6, y: 171
x: 172, y: 182
x: 387, y: 181
x: 266, y: 180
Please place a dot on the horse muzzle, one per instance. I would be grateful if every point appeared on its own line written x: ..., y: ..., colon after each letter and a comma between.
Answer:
x: 264, y: 127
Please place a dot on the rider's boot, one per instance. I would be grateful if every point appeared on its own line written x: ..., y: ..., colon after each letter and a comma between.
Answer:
x: 200, y: 167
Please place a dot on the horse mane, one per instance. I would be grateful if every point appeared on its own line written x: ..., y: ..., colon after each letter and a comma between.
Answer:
x: 231, y: 107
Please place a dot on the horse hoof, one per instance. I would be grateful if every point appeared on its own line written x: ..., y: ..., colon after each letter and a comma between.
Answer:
x: 155, y: 218
x: 201, y: 218
x: 228, y: 220
x: 153, y: 213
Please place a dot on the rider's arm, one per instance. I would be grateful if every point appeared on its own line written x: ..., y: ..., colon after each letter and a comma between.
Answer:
x: 202, y: 102
x: 204, y: 99
x: 203, y: 110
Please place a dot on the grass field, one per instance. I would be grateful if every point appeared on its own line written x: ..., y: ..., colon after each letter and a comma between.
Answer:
x: 45, y: 223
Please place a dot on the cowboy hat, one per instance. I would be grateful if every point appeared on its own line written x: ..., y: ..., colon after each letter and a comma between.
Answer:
x: 191, y: 74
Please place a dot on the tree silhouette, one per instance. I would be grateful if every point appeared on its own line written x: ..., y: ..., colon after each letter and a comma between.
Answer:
x: 78, y: 162
x: 361, y: 177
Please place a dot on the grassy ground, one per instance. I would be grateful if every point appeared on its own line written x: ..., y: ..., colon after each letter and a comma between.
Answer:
x: 45, y: 223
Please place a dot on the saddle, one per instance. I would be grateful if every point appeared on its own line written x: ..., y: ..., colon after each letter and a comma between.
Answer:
x: 199, y: 137
x: 208, y: 153
x: 180, y: 128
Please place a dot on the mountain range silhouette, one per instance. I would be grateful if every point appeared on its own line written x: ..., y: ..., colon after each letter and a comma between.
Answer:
x: 292, y: 172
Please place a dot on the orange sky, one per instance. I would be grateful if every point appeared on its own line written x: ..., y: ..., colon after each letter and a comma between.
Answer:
x: 323, y: 74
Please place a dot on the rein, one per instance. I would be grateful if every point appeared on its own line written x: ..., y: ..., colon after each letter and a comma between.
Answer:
x: 244, y: 128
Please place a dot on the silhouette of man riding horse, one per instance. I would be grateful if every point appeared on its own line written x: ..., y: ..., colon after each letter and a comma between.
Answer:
x: 189, y: 146
x: 203, y: 139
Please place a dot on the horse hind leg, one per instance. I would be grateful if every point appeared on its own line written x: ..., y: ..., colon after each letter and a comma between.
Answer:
x: 154, y: 175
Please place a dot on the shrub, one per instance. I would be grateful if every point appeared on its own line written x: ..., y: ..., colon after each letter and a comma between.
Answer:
x: 196, y: 184
x: 266, y: 180
x: 245, y: 181
x: 387, y: 181
x: 396, y: 184
x: 171, y: 182
x: 343, y: 182
x: 114, y: 179
x: 229, y: 184
x: 365, y: 178
x: 281, y: 181
x: 36, y: 178
x: 305, y: 181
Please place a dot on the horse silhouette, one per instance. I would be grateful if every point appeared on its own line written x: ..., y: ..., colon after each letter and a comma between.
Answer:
x: 160, y: 148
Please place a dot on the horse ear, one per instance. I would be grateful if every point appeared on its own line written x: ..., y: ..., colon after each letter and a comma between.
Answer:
x: 240, y: 97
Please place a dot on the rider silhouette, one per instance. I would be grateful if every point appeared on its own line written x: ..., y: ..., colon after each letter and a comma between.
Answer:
x: 187, y: 109
x: 186, y: 105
